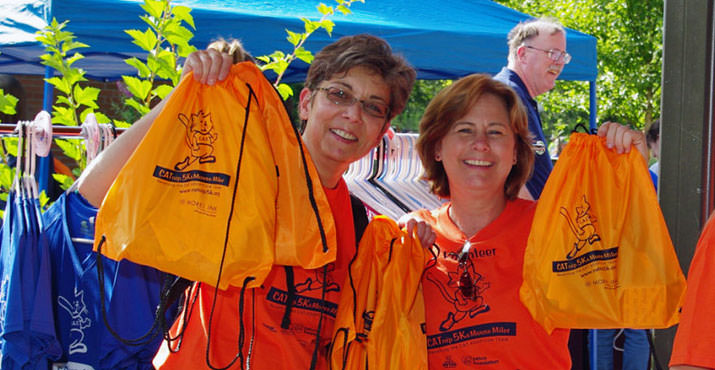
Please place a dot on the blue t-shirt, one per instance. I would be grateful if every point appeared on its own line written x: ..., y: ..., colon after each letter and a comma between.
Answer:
x: 131, y: 294
x: 542, y: 163
x: 27, y: 332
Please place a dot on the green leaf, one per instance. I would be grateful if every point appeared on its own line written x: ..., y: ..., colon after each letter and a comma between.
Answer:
x: 101, y: 117
x: 264, y: 58
x: 62, y: 99
x: 142, y: 69
x: 141, y: 109
x: 310, y: 26
x: 328, y: 26
x: 86, y: 96
x: 7, y: 103
x: 64, y: 116
x: 70, y: 149
x: 285, y: 91
x: 138, y: 88
x: 294, y: 38
x: 186, y: 49
x: 11, y: 145
x: 64, y: 180
x: 183, y: 13
x: 344, y: 9
x: 145, y: 40
x: 122, y: 124
x: 154, y: 8
x: 71, y: 45
x: 45, y: 201
x: 304, y: 55
x: 162, y: 91
x: 60, y: 84
x: 324, y: 9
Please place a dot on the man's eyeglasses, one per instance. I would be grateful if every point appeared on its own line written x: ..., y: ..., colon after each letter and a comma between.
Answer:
x: 344, y: 98
x: 554, y: 54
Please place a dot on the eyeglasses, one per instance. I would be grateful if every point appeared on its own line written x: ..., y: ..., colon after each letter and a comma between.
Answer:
x: 554, y: 54
x: 344, y: 98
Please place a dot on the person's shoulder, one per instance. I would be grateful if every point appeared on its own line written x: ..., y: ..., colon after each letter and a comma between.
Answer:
x: 521, y: 204
x: 426, y: 215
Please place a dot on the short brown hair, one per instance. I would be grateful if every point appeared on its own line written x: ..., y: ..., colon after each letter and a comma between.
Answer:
x: 232, y: 47
x: 529, y: 29
x: 452, y: 103
x: 366, y: 51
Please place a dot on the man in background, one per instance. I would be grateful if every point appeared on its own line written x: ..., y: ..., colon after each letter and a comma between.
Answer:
x: 537, y: 54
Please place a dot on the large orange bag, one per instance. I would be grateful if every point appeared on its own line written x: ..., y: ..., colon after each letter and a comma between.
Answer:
x: 381, y: 313
x: 599, y: 254
x: 220, y: 184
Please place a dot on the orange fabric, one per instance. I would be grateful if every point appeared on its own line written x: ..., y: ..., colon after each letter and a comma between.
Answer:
x: 695, y: 338
x: 599, y: 254
x: 381, y: 311
x: 196, y: 177
x: 492, y: 329
x: 266, y: 344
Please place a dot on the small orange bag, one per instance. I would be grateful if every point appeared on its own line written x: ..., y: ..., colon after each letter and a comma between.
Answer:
x: 599, y: 254
x: 221, y: 184
x: 381, y: 313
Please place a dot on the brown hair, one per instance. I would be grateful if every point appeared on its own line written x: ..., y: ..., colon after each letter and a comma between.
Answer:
x: 452, y: 103
x: 529, y: 29
x: 233, y: 48
x: 366, y: 51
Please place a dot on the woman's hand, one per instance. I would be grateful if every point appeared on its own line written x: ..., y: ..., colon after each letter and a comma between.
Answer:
x: 620, y: 138
x: 422, y: 230
x: 208, y: 66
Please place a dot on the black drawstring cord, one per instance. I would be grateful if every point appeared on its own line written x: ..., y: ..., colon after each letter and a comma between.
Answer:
x: 346, y: 349
x: 290, y: 286
x: 311, y: 196
x: 241, y: 332
x: 253, y: 329
x: 314, y: 360
x: 147, y: 337
x: 251, y: 96
x: 188, y: 308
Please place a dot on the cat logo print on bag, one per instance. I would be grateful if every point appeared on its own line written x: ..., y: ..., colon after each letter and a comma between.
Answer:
x: 583, y: 227
x: 200, y: 136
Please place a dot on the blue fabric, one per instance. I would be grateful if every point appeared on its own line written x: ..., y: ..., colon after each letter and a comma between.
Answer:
x: 439, y: 44
x: 654, y: 177
x: 27, y: 332
x: 636, y: 350
x: 542, y: 163
x: 131, y: 294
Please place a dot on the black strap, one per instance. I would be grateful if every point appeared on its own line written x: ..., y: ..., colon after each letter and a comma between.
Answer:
x: 360, y: 219
x: 290, y: 286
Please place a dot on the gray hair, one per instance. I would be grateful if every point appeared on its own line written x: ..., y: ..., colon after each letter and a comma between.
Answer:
x: 529, y: 29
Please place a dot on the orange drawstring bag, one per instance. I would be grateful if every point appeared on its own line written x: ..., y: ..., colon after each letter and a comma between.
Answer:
x: 599, y: 254
x: 381, y: 313
x: 220, y: 188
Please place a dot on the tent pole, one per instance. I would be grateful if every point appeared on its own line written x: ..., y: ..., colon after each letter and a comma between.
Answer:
x: 592, y: 104
x: 43, y: 163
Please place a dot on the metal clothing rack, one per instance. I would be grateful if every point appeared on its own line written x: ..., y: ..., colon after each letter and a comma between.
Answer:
x: 57, y: 130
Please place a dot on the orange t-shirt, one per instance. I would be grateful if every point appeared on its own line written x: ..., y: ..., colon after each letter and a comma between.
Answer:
x: 489, y: 327
x: 266, y: 345
x: 695, y: 338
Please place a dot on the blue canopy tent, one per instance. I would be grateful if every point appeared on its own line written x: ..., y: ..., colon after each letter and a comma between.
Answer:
x: 443, y: 41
